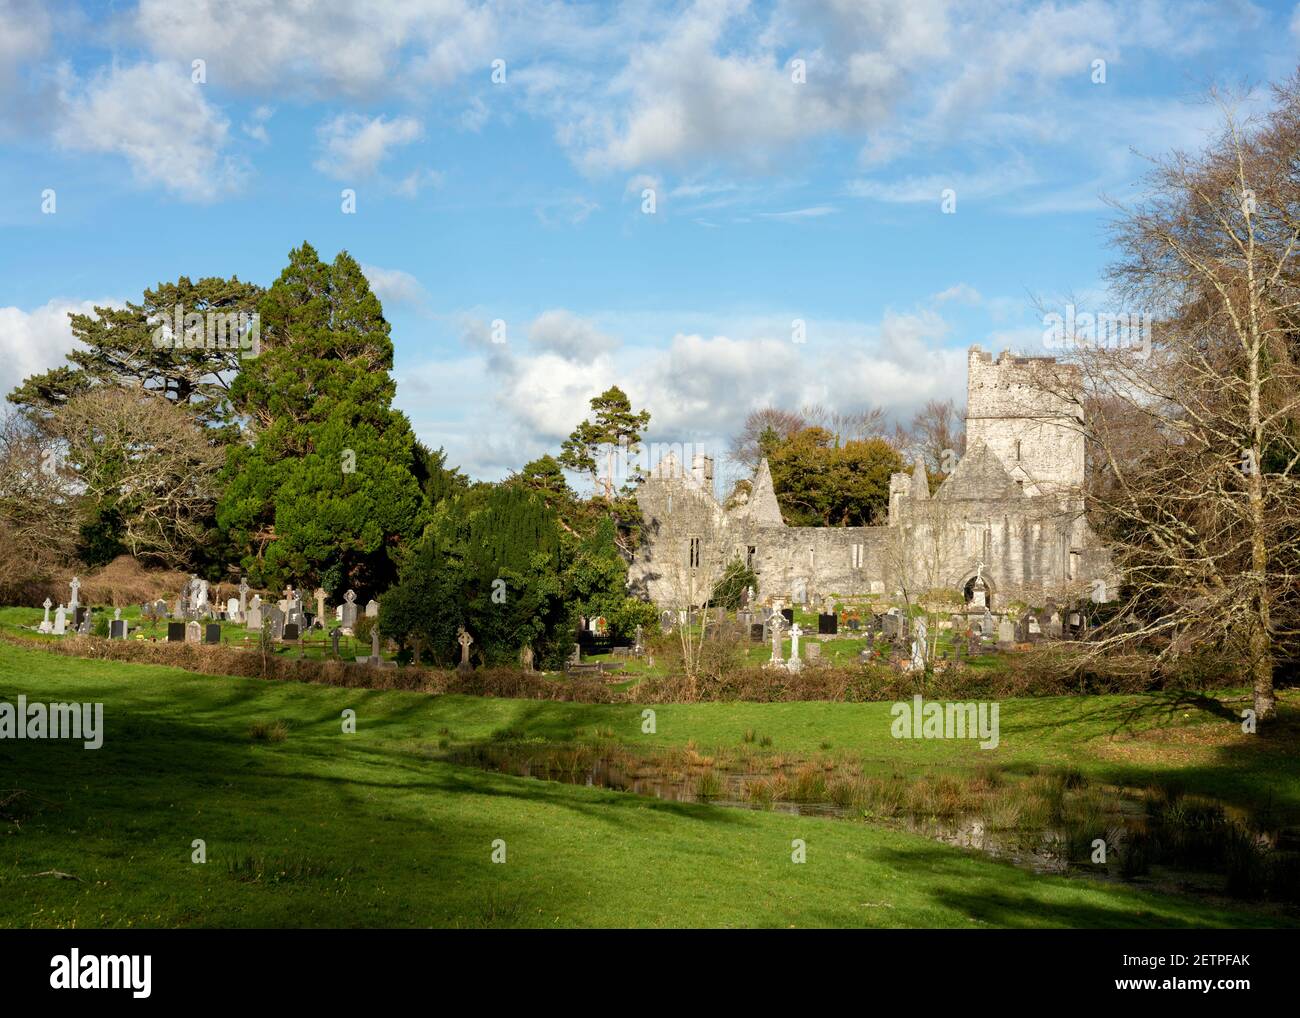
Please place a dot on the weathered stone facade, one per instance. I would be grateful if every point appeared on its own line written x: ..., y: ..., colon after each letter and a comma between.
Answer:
x: 1010, y: 510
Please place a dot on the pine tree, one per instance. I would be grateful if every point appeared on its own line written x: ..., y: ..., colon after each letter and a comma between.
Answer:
x: 119, y: 348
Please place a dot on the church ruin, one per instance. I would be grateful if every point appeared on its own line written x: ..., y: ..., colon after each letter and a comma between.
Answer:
x: 1005, y: 526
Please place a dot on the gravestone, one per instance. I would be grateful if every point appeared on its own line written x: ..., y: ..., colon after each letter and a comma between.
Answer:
x: 193, y: 632
x: 335, y: 633
x: 253, y: 617
x: 1022, y: 629
x: 160, y: 609
x: 46, y: 625
x: 75, y: 585
x: 526, y: 657
x: 919, y: 646
x: 84, y: 628
x: 372, y: 609
x: 276, y: 618
x: 376, y: 660
x: 212, y: 633
x: 855, y: 625
x: 349, y: 617
x: 79, y: 616
x: 1054, y: 625
x: 638, y: 646
x: 828, y: 624
x: 117, y: 629
x: 756, y: 632
x: 175, y: 632
x: 243, y: 597
x: 986, y: 623
x: 1006, y: 633
x: 1035, y: 632
x: 232, y: 610
x: 291, y: 632
x: 813, y: 649
x: 799, y: 591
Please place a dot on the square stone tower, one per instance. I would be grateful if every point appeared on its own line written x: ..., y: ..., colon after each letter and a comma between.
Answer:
x: 1022, y: 409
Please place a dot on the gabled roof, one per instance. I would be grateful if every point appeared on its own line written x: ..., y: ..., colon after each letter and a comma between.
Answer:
x: 762, y: 507
x: 979, y: 474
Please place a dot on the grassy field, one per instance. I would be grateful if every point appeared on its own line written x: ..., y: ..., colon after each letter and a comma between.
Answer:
x: 323, y: 828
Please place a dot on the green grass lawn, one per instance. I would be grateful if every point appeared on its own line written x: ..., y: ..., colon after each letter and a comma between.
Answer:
x: 372, y: 829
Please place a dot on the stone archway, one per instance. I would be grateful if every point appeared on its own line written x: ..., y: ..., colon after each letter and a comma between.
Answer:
x: 967, y: 587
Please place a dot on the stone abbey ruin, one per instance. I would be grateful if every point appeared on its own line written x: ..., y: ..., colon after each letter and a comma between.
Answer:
x: 1006, y: 525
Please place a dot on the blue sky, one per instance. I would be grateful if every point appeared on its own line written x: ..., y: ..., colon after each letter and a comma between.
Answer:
x: 522, y: 200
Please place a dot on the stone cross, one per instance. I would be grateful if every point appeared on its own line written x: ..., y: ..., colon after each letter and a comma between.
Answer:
x: 774, y: 624
x: 48, y: 605
x: 794, y: 663
x: 334, y: 639
x: 526, y: 657
x: 374, y: 645
x: 117, y: 614
x: 464, y: 639
x: 350, y: 596
x: 243, y: 596
x: 76, y: 587
x: 319, y: 594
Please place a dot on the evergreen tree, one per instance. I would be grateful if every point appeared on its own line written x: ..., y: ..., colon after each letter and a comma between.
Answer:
x: 124, y: 347
x: 613, y: 425
x: 324, y: 490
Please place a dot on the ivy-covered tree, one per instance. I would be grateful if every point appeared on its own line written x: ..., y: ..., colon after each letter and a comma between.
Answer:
x: 492, y: 562
x: 324, y: 489
x: 730, y: 590
x: 596, y: 585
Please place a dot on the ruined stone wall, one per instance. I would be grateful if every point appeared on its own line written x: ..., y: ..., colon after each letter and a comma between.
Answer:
x: 1007, y: 504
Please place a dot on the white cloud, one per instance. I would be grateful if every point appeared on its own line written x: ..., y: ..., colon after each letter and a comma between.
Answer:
x: 355, y: 145
x: 394, y: 286
x: 962, y: 293
x: 156, y: 118
x: 40, y: 339
x: 24, y: 34
x: 521, y: 402
x: 320, y: 50
x: 255, y: 125
x: 417, y: 181
x: 565, y: 334
x: 815, y: 212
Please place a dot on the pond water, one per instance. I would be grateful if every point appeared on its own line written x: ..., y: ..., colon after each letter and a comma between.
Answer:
x: 1123, y: 815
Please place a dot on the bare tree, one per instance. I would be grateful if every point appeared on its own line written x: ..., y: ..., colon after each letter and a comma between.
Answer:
x: 149, y: 461
x: 745, y: 448
x: 936, y: 434
x: 37, y: 504
x: 1193, y: 421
